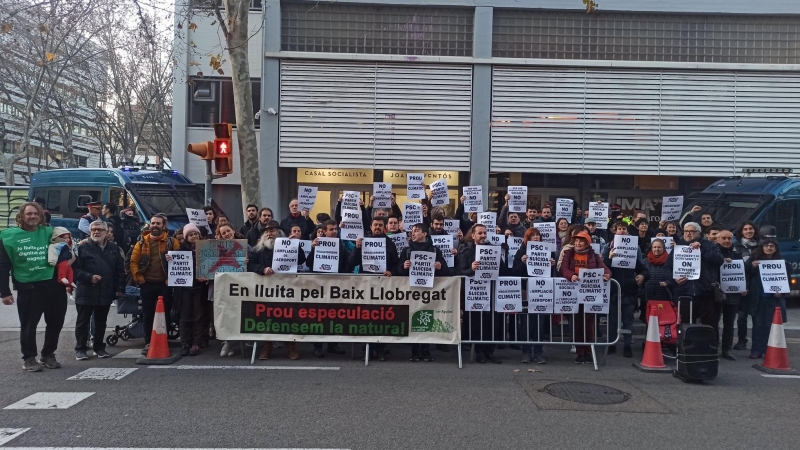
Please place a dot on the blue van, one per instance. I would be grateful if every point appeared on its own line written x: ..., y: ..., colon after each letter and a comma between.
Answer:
x: 771, y: 200
x: 66, y: 193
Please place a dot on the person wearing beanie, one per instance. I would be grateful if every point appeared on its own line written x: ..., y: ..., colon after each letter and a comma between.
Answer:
x: 191, y: 299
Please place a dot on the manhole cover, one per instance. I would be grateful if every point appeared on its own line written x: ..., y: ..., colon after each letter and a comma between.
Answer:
x: 593, y: 394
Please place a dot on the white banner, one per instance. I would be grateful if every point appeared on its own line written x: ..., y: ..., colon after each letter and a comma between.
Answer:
x: 477, y: 296
x: 352, y: 225
x: 350, y: 201
x: 412, y: 215
x: 326, y: 255
x: 686, y: 262
x: 373, y: 255
x: 671, y: 207
x: 626, y: 250
x: 508, y: 295
x: 669, y: 243
x: 400, y: 241
x: 565, y: 296
x: 547, y: 230
x: 421, y: 272
x: 180, y: 270
x: 564, y: 209
x: 599, y: 212
x: 488, y: 219
x: 284, y: 255
x: 540, y: 296
x: 518, y: 199
x: 732, y: 278
x: 445, y: 245
x: 773, y: 277
x: 198, y: 218
x: 514, y: 244
x: 383, y: 195
x: 439, y: 191
x: 306, y: 197
x: 488, y: 257
x: 474, y: 199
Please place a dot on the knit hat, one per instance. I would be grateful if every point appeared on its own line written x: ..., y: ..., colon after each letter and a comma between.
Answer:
x: 583, y: 235
x: 58, y: 232
x: 190, y: 227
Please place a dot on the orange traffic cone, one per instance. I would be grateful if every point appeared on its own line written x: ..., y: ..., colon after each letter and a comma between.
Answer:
x: 776, y: 360
x: 652, y: 360
x: 158, y: 353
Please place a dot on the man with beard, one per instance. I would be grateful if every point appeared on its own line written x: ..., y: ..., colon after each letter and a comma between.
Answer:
x: 148, y: 268
x: 547, y: 216
x: 377, y: 231
x: 100, y: 277
x: 257, y: 230
x: 260, y: 262
x: 251, y: 218
x: 330, y: 232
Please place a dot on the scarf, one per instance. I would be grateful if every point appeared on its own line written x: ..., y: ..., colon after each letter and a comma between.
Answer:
x: 562, y: 235
x: 750, y: 243
x: 581, y: 252
x: 657, y: 260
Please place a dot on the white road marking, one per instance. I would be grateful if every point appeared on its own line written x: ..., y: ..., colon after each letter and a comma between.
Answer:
x: 245, y: 367
x: 97, y: 373
x: 130, y: 353
x: 766, y: 375
x: 50, y: 400
x: 153, y: 448
x: 7, y: 434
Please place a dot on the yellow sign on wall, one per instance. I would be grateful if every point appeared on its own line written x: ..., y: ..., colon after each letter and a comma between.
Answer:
x: 335, y: 176
x: 399, y: 177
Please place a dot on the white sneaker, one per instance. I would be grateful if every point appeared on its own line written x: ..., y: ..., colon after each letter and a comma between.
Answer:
x: 572, y: 349
x: 227, y: 349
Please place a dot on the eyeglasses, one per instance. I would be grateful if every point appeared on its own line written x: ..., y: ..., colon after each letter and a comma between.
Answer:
x: 691, y: 232
x: 98, y: 231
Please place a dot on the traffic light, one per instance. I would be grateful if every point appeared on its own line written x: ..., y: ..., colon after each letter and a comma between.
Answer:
x: 205, y: 150
x: 223, y: 148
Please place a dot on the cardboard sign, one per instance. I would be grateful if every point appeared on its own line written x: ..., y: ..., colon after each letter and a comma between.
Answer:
x: 421, y: 272
x: 564, y: 209
x: 219, y: 256
x: 383, y: 195
x: 445, y: 245
x: 473, y: 202
x: 400, y: 241
x: 626, y: 250
x: 547, y: 230
x: 732, y: 278
x: 478, y: 295
x: 599, y: 212
x: 284, y: 255
x: 671, y: 207
x: 412, y: 215
x: 198, y: 218
x: 350, y: 201
x: 518, y: 199
x: 352, y: 225
x: 488, y: 219
x: 326, y: 255
x: 508, y: 295
x: 514, y: 244
x: 306, y: 197
x: 373, y: 255
x: 773, y: 277
x: 565, y: 296
x: 540, y: 295
x: 488, y: 257
x: 439, y: 191
x: 180, y: 271
x: 686, y: 262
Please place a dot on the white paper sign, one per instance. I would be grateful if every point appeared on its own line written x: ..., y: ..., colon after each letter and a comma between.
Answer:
x: 488, y: 219
x: 538, y: 262
x: 198, y: 218
x: 599, y: 212
x: 495, y: 239
x: 352, y: 225
x: 514, y: 244
x: 306, y: 197
x: 590, y: 286
x: 421, y: 272
x: 547, y: 230
x: 669, y: 243
x: 326, y: 255
x: 412, y: 215
x: 565, y: 296
x: 686, y: 262
x: 284, y: 255
x: 671, y: 207
x: 538, y: 246
x: 180, y: 269
x: 596, y: 248
x: 383, y: 195
x: 473, y: 201
x: 488, y: 257
x: 350, y: 201
x: 540, y: 295
x: 564, y: 209
x: 400, y: 241
x: 445, y: 245
x: 373, y: 255
x: 508, y: 295
x: 415, y: 178
x: 451, y: 227
x: 439, y: 191
x: 625, y: 251
x: 773, y: 277
x: 478, y: 295
x: 732, y: 278
x: 517, y: 199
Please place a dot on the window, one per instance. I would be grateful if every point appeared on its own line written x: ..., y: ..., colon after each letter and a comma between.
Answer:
x: 82, y: 161
x: 52, y: 199
x: 211, y: 101
x: 783, y: 216
x: 78, y: 199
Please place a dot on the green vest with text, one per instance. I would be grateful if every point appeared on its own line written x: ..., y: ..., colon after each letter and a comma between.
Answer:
x: 28, y: 253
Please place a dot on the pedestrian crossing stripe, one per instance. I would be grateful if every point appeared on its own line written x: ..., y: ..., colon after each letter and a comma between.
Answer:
x: 7, y: 434
x: 50, y: 400
x: 103, y: 373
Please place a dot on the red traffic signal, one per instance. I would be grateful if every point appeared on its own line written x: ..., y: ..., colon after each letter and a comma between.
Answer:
x: 223, y: 148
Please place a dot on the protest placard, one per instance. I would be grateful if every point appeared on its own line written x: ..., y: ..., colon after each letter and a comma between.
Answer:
x: 383, y: 195
x: 540, y: 295
x: 305, y: 247
x: 326, y: 255
x: 373, y: 255
x: 421, y: 272
x: 508, y: 295
x: 539, y: 246
x: 547, y: 230
x: 669, y: 243
x: 590, y: 286
x: 473, y: 201
x: 599, y: 212
x: 732, y: 278
x: 564, y: 209
x: 180, y: 269
x: 352, y: 225
x: 198, y: 218
x: 415, y: 178
x: 597, y: 248
x: 451, y: 227
x: 412, y: 215
x: 538, y: 262
x: 477, y: 295
x: 671, y: 207
x: 686, y: 262
x: 415, y: 186
x: 565, y: 296
x: 439, y: 191
x: 400, y: 242
x: 773, y: 277
x: 284, y: 255
x: 495, y: 239
x: 488, y: 219
x: 218, y: 256
x: 351, y: 201
x: 626, y: 250
x: 514, y: 244
x: 517, y: 199
x: 445, y: 245
x: 488, y: 257
x: 306, y: 197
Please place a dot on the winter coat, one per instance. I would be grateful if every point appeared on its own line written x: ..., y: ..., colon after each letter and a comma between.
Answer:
x: 391, y: 255
x: 140, y: 256
x: 626, y: 277
x: 464, y: 224
x: 255, y: 233
x: 344, y: 256
x: 257, y: 261
x: 245, y: 229
x: 426, y: 246
x: 466, y: 255
x: 745, y: 247
x: 93, y: 260
x: 658, y: 273
x: 594, y: 261
x: 306, y: 225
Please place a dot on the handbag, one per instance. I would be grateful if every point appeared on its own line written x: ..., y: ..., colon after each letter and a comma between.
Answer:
x: 719, y: 296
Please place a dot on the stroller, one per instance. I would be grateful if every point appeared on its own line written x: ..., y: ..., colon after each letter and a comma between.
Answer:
x: 131, y: 304
x: 668, y: 314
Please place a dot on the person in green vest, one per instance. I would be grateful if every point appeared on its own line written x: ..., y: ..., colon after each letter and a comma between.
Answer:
x: 23, y: 255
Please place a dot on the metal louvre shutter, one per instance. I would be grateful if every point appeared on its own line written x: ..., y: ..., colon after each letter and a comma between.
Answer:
x: 423, y: 117
x: 373, y: 115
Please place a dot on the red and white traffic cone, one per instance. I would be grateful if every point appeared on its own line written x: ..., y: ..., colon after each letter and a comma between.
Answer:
x: 653, y: 359
x: 776, y: 360
x: 159, y: 354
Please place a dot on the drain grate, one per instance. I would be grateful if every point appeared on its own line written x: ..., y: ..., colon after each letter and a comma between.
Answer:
x: 593, y: 394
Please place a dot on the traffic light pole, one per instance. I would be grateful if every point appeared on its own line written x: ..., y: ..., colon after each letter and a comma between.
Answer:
x: 210, y: 176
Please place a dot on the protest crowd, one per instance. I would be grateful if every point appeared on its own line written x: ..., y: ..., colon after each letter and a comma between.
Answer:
x: 555, y: 243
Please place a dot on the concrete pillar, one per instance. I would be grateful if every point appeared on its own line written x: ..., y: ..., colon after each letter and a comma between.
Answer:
x: 481, y: 101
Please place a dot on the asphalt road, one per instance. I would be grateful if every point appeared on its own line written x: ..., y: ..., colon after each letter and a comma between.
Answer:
x: 389, y: 405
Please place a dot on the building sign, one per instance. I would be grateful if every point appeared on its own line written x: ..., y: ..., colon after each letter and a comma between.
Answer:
x: 335, y: 176
x: 399, y: 177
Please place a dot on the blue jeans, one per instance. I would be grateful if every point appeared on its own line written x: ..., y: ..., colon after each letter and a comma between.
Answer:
x: 629, y: 303
x: 762, y: 321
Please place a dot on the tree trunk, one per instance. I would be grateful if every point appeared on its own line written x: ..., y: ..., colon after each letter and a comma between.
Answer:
x: 237, y: 12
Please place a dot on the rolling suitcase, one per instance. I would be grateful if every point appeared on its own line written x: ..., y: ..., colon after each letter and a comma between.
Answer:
x: 698, y: 356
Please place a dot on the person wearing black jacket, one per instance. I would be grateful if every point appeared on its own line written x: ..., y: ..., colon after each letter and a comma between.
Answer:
x: 464, y: 224
x: 729, y: 307
x: 377, y: 230
x: 109, y: 211
x: 99, y: 273
x: 257, y: 230
x: 251, y: 219
x: 702, y: 290
x: 191, y: 300
x: 299, y: 218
